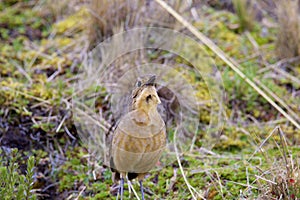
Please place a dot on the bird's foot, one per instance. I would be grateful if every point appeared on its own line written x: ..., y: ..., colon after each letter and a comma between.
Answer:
x: 121, y: 189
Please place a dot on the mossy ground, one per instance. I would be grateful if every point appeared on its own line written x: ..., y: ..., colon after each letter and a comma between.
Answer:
x: 39, y: 61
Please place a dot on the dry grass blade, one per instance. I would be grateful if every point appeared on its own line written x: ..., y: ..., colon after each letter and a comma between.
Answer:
x: 26, y: 95
x: 278, y: 99
x: 281, y: 180
x: 110, y: 17
x: 95, y: 121
x: 80, y: 193
x: 279, y: 63
x: 262, y: 144
x: 220, y: 183
x: 130, y: 187
x: 173, y: 180
x: 262, y: 178
x: 22, y: 71
x: 276, y: 68
x: 229, y: 61
x: 191, y: 188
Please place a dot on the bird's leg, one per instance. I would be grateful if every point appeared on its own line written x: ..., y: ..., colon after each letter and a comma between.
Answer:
x: 142, y: 189
x: 129, y: 185
x: 118, y: 193
x: 121, y: 188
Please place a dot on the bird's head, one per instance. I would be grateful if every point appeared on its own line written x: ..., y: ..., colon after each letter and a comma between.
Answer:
x: 145, y: 96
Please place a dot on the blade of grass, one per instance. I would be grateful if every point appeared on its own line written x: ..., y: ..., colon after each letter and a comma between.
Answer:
x: 182, y: 172
x: 262, y: 144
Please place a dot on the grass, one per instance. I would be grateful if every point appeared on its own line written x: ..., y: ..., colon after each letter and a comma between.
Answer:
x: 244, y: 11
x: 112, y: 17
x: 40, y: 62
x: 288, y: 40
x: 15, y: 185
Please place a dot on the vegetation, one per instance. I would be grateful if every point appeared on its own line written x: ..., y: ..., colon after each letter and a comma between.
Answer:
x: 41, y: 58
x: 13, y: 184
x: 244, y: 13
x: 288, y: 40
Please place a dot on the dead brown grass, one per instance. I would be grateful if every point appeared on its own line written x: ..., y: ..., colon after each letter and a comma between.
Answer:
x: 282, y: 179
x: 288, y: 41
x: 109, y: 17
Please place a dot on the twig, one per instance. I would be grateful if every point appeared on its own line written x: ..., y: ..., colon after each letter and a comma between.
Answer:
x: 220, y: 184
x: 242, y: 184
x: 247, y: 58
x: 247, y: 175
x: 287, y: 75
x: 256, y: 47
x: 69, y: 133
x: 25, y: 94
x: 81, y: 191
x: 262, y: 178
x: 22, y: 71
x: 86, y: 110
x: 213, y: 180
x: 134, y: 192
x: 60, y: 124
x: 279, y: 63
x: 49, y: 186
x: 284, y: 147
x: 173, y: 180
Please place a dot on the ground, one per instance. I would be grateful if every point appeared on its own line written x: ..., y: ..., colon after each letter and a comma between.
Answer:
x: 40, y: 61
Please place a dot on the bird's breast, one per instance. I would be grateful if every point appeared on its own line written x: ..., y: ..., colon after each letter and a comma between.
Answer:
x: 136, y: 147
x: 138, y: 137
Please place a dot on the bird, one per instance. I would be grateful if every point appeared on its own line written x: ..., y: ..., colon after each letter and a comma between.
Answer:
x: 139, y: 138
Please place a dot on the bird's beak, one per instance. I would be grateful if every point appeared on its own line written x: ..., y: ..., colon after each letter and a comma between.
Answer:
x: 157, y: 98
x: 151, y: 80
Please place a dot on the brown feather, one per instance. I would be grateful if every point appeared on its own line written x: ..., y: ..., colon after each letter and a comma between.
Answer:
x: 140, y: 137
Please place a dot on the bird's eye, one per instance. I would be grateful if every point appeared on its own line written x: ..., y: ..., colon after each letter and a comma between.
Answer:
x: 148, y: 97
x: 139, y: 83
